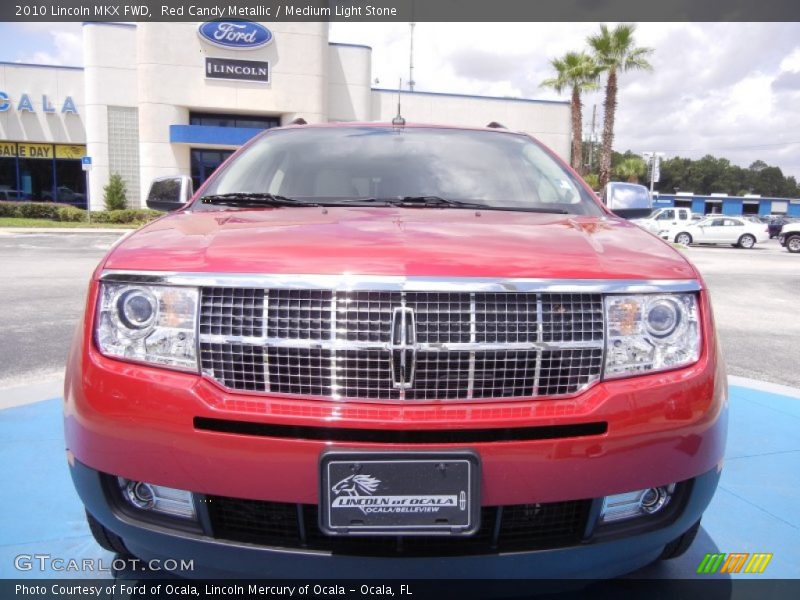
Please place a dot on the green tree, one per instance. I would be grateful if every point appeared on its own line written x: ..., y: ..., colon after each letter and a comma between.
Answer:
x: 710, y: 174
x: 114, y: 193
x: 615, y: 52
x: 592, y: 180
x: 631, y: 169
x: 577, y: 72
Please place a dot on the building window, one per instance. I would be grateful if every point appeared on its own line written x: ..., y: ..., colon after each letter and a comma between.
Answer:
x: 9, y: 189
x: 244, y: 121
x: 205, y: 162
x: 42, y: 172
x: 123, y: 149
x: 780, y: 207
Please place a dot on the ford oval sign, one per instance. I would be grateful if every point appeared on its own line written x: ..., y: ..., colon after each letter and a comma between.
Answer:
x: 235, y: 35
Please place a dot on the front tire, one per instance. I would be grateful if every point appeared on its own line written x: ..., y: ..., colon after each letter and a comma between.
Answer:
x: 747, y: 241
x: 680, y: 544
x: 683, y: 238
x: 793, y: 243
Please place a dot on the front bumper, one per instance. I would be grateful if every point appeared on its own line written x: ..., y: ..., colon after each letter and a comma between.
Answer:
x: 594, y: 558
x: 144, y: 423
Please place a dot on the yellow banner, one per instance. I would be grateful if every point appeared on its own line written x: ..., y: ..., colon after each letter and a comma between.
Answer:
x: 35, y: 150
x: 8, y: 149
x: 70, y: 151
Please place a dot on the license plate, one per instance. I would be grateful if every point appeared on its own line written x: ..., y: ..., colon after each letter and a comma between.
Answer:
x: 412, y: 493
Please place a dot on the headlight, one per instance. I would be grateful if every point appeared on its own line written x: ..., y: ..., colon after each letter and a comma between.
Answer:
x: 650, y: 333
x: 148, y: 323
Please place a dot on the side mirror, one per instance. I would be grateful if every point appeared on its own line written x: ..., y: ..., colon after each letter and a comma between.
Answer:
x: 628, y: 200
x: 170, y: 193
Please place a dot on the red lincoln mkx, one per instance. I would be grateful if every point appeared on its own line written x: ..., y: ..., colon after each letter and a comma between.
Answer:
x: 361, y: 347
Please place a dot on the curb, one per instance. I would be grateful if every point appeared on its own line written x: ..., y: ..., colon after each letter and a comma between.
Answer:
x: 764, y: 386
x: 20, y: 395
x: 6, y: 230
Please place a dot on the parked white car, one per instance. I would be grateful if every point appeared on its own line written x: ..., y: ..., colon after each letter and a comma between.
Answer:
x: 718, y: 230
x: 665, y: 218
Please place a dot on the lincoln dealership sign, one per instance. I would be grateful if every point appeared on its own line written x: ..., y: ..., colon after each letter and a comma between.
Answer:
x: 237, y: 70
x: 235, y: 35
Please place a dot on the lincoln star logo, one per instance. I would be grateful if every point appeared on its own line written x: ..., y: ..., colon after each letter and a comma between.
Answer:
x: 404, y: 347
x: 356, y: 485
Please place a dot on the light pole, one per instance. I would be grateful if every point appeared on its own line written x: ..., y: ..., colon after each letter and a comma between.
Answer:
x: 653, y: 160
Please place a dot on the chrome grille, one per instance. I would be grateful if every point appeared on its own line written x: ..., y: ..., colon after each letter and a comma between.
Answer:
x: 301, y: 371
x: 299, y: 314
x: 236, y: 366
x: 232, y: 311
x: 442, y: 318
x: 506, y: 318
x: 394, y: 345
x: 505, y: 374
x: 572, y: 318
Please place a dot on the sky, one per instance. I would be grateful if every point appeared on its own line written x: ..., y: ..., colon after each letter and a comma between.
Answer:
x: 727, y: 89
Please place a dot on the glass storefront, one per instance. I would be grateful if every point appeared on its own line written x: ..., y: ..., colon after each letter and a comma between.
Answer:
x: 42, y: 173
x: 204, y: 162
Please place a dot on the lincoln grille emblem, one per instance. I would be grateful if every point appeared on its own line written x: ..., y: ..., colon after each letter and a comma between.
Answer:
x: 404, y: 347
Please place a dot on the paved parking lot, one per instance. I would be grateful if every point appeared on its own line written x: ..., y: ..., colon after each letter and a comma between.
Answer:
x: 756, y: 297
x: 43, y: 277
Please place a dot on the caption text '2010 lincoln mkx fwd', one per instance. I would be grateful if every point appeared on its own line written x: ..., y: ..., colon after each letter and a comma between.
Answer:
x: 362, y: 346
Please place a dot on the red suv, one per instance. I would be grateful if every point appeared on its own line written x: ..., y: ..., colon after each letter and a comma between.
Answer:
x: 361, y: 348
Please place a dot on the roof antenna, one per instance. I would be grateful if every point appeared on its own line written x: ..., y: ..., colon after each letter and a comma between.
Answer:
x: 399, y: 121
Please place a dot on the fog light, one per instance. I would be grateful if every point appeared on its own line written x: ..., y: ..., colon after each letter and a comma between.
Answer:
x: 139, y: 494
x: 629, y: 505
x: 158, y: 498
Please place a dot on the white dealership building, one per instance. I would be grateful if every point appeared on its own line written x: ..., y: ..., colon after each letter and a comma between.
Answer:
x: 161, y: 99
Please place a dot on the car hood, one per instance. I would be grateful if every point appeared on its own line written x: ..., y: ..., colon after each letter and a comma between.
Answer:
x: 399, y: 241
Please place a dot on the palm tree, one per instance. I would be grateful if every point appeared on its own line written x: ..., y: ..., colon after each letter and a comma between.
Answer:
x: 578, y: 72
x: 615, y: 52
x: 631, y: 169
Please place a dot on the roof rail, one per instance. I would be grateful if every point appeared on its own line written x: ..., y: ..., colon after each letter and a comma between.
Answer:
x: 496, y: 125
x: 299, y: 121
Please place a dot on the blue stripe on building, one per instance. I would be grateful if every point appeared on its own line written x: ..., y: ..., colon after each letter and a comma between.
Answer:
x: 731, y: 205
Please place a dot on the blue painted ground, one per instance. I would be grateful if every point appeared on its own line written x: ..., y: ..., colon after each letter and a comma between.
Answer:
x: 754, y: 510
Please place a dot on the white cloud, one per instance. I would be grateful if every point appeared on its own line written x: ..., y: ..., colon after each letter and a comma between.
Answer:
x: 65, y: 45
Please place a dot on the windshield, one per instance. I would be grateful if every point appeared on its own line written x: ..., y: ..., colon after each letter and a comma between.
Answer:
x: 358, y: 164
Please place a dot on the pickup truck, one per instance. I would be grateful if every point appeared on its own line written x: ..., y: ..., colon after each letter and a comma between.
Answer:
x: 392, y: 350
x: 790, y: 237
x: 665, y: 219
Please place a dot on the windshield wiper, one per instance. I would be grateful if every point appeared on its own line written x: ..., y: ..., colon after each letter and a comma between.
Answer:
x: 432, y: 201
x: 253, y: 199
x: 422, y: 201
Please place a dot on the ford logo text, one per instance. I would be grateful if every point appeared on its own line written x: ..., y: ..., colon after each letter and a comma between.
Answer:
x: 235, y: 35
